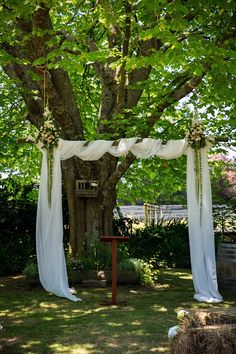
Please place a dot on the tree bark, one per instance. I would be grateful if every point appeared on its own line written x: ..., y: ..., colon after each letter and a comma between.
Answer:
x: 90, y: 217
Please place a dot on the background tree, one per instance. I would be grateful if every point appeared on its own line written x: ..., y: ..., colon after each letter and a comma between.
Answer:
x: 111, y: 69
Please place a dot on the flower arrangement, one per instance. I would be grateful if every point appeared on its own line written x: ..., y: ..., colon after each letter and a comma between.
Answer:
x: 196, y: 136
x: 197, y: 139
x: 48, y: 137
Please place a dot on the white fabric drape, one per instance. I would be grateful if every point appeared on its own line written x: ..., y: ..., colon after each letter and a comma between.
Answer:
x: 49, y: 228
x: 49, y: 234
x: 201, y: 233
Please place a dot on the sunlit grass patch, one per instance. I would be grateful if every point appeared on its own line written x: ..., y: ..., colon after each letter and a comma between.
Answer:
x: 37, y: 322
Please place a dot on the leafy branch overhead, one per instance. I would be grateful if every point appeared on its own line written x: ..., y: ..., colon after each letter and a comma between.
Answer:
x: 112, y: 69
x: 126, y: 43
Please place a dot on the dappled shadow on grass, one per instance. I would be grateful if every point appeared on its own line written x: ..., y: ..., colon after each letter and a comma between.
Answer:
x: 37, y: 322
x: 176, y: 278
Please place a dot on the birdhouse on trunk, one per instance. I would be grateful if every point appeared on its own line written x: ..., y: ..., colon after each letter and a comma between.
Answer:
x: 86, y: 188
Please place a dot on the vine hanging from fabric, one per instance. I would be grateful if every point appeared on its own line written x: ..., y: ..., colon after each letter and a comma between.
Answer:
x: 197, y: 140
x: 48, y: 137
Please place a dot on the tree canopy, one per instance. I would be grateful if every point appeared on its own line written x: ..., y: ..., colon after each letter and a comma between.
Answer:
x: 111, y: 69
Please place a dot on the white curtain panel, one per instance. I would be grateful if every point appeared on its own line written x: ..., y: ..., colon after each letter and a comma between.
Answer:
x: 201, y: 233
x: 49, y: 234
x: 49, y: 227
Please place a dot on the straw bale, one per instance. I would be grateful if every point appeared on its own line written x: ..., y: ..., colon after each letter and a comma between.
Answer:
x: 206, y: 332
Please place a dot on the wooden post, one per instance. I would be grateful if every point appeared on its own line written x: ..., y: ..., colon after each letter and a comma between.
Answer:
x: 114, y: 271
x: 114, y: 240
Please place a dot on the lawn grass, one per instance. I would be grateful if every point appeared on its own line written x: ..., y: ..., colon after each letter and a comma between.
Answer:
x: 37, y: 322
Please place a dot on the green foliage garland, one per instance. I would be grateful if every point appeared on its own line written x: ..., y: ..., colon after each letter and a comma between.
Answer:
x: 48, y: 138
x: 197, y: 140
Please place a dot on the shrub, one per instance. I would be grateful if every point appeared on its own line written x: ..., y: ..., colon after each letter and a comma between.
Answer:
x: 17, y: 225
x: 17, y: 229
x: 127, y: 264
x: 224, y: 220
x: 148, y: 275
x: 80, y: 263
x: 145, y: 270
x: 165, y: 244
x: 123, y: 226
x: 31, y: 270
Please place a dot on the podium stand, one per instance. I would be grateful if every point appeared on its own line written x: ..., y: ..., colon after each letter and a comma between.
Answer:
x: 114, y: 240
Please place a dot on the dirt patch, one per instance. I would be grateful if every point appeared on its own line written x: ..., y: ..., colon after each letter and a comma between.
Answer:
x: 6, y: 344
x: 14, y: 281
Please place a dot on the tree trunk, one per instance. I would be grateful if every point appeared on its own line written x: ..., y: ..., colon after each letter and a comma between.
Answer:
x: 90, y: 217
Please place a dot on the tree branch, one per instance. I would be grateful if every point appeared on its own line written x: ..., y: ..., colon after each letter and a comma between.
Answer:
x: 26, y: 85
x: 121, y: 72
x: 229, y: 32
x: 175, y: 95
x: 141, y: 74
x: 56, y: 83
x: 121, y: 169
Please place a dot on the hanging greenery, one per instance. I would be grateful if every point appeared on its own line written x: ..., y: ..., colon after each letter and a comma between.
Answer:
x: 197, y: 140
x: 48, y: 138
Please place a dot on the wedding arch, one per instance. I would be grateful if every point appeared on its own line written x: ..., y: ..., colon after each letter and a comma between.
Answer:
x: 49, y: 226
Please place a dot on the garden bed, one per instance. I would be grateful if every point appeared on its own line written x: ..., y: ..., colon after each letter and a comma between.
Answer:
x: 123, y: 277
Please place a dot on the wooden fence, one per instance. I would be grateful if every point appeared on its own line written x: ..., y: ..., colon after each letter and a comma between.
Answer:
x: 149, y: 213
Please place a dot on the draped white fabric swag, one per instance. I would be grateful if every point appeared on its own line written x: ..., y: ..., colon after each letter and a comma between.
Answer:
x: 49, y: 228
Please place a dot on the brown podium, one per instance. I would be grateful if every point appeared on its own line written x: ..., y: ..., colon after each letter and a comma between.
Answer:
x: 114, y: 240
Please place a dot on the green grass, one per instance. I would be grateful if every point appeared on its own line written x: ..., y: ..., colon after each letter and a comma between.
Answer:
x: 37, y: 322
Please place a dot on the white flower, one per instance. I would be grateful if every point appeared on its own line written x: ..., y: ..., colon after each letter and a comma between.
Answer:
x: 182, y: 313
x: 48, y: 135
x: 173, y: 331
x: 211, y: 138
x: 196, y: 136
x: 46, y: 112
x: 30, y: 138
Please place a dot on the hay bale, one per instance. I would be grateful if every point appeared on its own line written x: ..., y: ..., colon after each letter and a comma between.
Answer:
x: 206, y: 332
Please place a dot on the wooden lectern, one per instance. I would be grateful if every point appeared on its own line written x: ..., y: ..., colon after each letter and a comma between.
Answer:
x: 114, y: 240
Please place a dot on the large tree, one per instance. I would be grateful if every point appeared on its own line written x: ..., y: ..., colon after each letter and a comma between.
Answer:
x: 115, y: 68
